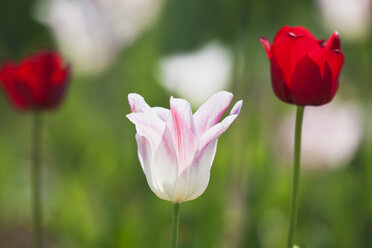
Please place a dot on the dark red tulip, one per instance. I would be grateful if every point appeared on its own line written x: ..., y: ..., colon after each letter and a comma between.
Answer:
x: 304, y: 70
x: 39, y: 82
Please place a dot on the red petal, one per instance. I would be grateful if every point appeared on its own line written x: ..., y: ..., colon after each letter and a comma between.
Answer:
x: 335, y: 60
x: 17, y: 91
x: 280, y: 87
x: 296, y: 31
x: 284, y: 30
x: 289, y: 49
x: 267, y: 46
x: 308, y: 87
x: 39, y: 81
x: 334, y: 42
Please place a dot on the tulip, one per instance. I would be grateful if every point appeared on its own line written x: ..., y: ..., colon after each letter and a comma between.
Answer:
x: 39, y: 82
x: 176, y: 148
x: 304, y: 70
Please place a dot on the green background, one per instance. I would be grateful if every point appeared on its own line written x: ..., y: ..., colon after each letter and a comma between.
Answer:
x: 94, y: 192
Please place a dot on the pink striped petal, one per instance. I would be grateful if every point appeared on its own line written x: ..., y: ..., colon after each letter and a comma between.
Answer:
x: 212, y: 111
x: 147, y: 120
x: 137, y: 103
x: 199, y: 171
x: 193, y: 181
x: 182, y: 127
x: 218, y: 129
x: 147, y: 126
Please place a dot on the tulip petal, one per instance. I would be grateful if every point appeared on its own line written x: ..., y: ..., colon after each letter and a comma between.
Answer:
x: 17, y: 91
x: 335, y: 60
x: 184, y: 133
x: 147, y: 120
x: 163, y: 113
x: 137, y: 103
x: 334, y: 42
x: 165, y: 167
x: 39, y: 82
x: 212, y: 111
x: 145, y: 155
x: 217, y: 130
x: 267, y: 46
x: 148, y: 126
x: 308, y: 86
x: 280, y: 87
x: 182, y: 186
x: 194, y: 180
x: 297, y: 31
x: 284, y: 30
x: 288, y: 49
x: 199, y: 172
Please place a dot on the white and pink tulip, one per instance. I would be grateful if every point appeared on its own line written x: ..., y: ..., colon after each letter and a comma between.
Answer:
x: 176, y: 148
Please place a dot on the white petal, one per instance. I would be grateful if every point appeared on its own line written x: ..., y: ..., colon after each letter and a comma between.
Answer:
x: 148, y: 126
x: 148, y: 122
x: 137, y: 103
x: 163, y: 113
x: 212, y: 110
x: 165, y: 166
x: 200, y: 171
x: 182, y: 186
x: 218, y: 129
x: 182, y: 127
x: 145, y: 155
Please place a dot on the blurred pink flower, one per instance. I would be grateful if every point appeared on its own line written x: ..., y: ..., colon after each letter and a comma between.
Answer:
x: 176, y: 148
x: 352, y: 18
x: 331, y: 135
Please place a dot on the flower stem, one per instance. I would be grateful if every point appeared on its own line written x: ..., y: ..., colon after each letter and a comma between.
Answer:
x: 36, y: 181
x: 175, y: 225
x: 296, y: 176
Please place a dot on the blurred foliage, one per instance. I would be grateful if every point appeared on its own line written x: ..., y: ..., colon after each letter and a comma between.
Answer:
x: 95, y: 193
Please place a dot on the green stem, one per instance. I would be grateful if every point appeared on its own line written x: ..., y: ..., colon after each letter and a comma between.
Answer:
x: 36, y: 181
x: 296, y: 176
x: 175, y: 225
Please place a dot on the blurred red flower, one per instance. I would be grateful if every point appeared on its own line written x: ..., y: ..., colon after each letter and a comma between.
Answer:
x: 40, y: 81
x: 304, y: 70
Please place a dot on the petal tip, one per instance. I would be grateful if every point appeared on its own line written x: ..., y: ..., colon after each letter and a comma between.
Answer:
x: 267, y: 45
x: 136, y: 102
x: 334, y: 41
x: 224, y: 93
x: 237, y: 107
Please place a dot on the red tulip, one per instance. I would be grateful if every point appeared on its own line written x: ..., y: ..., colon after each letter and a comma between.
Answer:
x: 39, y: 82
x: 304, y: 70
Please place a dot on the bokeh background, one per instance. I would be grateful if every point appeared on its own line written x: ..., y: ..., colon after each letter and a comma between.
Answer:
x: 94, y: 191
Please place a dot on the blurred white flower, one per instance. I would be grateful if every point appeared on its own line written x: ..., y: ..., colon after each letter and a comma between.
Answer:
x: 351, y: 18
x: 197, y: 75
x: 90, y: 33
x: 331, y: 135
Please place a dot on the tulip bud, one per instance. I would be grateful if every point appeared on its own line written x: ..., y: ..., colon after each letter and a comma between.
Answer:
x: 304, y: 70
x: 39, y: 82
